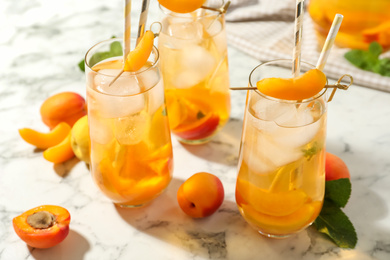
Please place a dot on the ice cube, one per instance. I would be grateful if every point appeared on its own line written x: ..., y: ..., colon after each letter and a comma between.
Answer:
x: 151, y: 80
x: 132, y: 129
x: 183, y: 31
x: 119, y: 99
x: 100, y: 129
x: 299, y: 131
x: 196, y: 64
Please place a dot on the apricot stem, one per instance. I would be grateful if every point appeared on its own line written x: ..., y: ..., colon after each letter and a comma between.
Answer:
x: 41, y: 220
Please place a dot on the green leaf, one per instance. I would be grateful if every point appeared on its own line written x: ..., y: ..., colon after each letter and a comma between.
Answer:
x: 116, y: 49
x: 369, y: 60
x: 356, y: 57
x: 338, y: 191
x: 333, y: 222
x: 82, y: 65
x: 375, y: 49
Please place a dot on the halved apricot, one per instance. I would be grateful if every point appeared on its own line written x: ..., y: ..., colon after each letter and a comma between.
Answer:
x: 43, y: 227
x: 139, y: 56
x: 299, y: 88
x: 61, y: 152
x: 45, y: 140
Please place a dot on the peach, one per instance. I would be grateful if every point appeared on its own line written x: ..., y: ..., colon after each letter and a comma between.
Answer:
x: 201, y: 195
x: 63, y: 107
x: 43, y: 226
x: 61, y: 152
x: 45, y: 140
x: 335, y: 168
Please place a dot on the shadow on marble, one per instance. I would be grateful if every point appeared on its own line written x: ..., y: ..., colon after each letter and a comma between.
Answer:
x: 224, y: 146
x: 223, y: 235
x: 74, y: 247
x: 63, y: 169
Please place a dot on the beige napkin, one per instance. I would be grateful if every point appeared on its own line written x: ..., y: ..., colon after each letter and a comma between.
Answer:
x: 264, y: 29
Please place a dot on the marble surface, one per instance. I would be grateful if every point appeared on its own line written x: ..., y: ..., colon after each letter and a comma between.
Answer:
x: 41, y: 43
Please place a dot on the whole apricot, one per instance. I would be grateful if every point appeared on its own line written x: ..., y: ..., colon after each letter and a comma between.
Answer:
x: 201, y: 195
x: 80, y: 140
x: 43, y: 226
x: 335, y: 168
x: 63, y: 107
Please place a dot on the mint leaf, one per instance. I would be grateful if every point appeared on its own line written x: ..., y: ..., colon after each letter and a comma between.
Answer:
x: 115, y: 50
x: 369, y: 60
x: 338, y: 191
x: 375, y: 49
x: 333, y: 222
x: 82, y: 65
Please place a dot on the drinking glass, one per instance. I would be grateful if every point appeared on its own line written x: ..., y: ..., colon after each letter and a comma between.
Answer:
x: 364, y: 21
x: 281, y: 170
x: 131, y: 151
x: 194, y: 66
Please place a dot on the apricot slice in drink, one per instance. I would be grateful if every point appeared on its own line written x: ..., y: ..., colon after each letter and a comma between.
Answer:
x: 61, y: 152
x: 272, y: 203
x: 298, y: 88
x: 45, y: 140
x: 139, y: 56
x: 283, y: 225
x: 182, y: 6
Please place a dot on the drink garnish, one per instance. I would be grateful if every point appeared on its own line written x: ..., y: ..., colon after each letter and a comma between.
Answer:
x: 298, y: 88
x: 332, y: 221
x: 369, y: 60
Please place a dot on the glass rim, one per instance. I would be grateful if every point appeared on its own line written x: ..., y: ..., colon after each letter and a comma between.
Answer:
x: 316, y: 96
x: 154, y: 64
x: 131, y: 74
x: 198, y: 15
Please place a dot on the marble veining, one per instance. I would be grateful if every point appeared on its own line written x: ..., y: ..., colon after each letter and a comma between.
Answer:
x: 41, y: 44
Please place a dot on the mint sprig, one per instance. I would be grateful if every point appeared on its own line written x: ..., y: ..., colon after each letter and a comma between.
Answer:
x: 115, y: 50
x: 332, y: 221
x: 369, y: 59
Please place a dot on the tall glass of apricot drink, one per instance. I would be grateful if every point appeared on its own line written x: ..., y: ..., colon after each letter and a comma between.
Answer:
x: 131, y: 151
x: 281, y: 179
x: 194, y: 65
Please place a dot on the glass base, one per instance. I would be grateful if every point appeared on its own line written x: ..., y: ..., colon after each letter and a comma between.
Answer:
x: 275, y: 236
x: 126, y: 206
x: 195, y: 141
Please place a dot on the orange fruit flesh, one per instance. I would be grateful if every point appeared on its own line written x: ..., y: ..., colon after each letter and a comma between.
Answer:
x: 139, y: 56
x: 276, y: 213
x: 302, y: 87
x: 182, y: 6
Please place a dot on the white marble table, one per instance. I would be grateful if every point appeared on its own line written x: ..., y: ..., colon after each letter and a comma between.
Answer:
x: 41, y: 43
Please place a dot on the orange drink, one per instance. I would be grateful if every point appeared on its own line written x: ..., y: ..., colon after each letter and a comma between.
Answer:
x: 131, y: 151
x: 364, y: 21
x: 195, y: 71
x: 281, y: 179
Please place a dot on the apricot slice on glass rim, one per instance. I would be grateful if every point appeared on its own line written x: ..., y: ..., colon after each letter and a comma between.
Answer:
x: 182, y: 6
x: 302, y: 87
x: 43, y: 227
x: 45, y: 140
x: 139, y: 56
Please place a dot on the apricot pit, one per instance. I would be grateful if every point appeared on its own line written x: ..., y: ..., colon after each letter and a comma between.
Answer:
x: 41, y: 220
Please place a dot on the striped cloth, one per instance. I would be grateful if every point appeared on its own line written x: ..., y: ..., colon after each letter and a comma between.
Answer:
x: 264, y: 29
